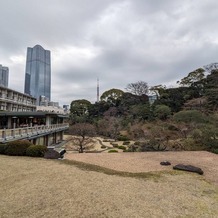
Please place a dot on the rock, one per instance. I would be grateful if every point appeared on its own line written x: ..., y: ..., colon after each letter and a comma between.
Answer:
x: 189, y: 168
x: 165, y: 163
x: 62, y: 152
x: 51, y: 154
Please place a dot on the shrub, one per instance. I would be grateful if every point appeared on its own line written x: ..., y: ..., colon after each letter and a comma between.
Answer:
x: 122, y: 147
x: 3, y: 148
x: 36, y: 150
x: 172, y: 128
x: 112, y: 151
x: 132, y: 148
x: 190, y: 116
x: 17, y: 148
x: 137, y: 143
x: 126, y: 143
x: 215, y: 151
x: 122, y: 138
x: 162, y: 112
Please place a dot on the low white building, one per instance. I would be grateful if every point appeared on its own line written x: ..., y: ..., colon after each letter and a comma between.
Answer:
x: 11, y: 100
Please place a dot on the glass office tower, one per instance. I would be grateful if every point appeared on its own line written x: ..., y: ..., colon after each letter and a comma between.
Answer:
x: 4, y: 71
x: 38, y: 73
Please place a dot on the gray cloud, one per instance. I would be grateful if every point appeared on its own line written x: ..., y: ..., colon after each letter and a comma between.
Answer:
x: 120, y: 41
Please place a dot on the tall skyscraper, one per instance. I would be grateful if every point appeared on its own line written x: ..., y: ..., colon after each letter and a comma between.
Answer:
x: 4, y: 71
x: 38, y: 72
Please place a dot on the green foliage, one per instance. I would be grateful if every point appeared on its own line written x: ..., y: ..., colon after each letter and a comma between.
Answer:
x: 132, y: 148
x: 190, y: 144
x: 137, y: 143
x: 3, y: 148
x: 79, y: 107
x: 141, y: 111
x: 190, y: 116
x: 36, y: 150
x: 17, y: 148
x: 151, y: 145
x: 173, y: 128
x: 193, y: 77
x: 126, y: 143
x: 122, y: 147
x: 176, y: 97
x: 112, y: 96
x: 162, y: 112
x: 211, y: 90
x: 215, y: 150
x: 122, y: 138
x: 112, y: 151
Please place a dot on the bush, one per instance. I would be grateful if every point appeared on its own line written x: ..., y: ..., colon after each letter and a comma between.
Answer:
x: 112, y: 151
x: 17, y: 148
x: 137, y: 143
x: 172, y: 128
x: 190, y: 116
x: 122, y: 138
x: 36, y: 150
x: 162, y: 112
x: 126, y: 143
x: 122, y: 147
x: 132, y: 148
x: 3, y: 148
x: 215, y: 151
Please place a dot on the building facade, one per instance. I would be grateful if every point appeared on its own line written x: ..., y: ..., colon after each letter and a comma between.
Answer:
x: 11, y: 100
x: 38, y: 73
x: 4, y: 71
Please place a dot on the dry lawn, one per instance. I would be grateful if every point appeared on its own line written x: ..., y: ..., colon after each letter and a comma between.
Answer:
x: 150, y: 161
x: 32, y: 187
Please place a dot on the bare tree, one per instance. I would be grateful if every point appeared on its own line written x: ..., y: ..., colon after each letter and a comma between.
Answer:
x: 83, y: 136
x: 138, y: 88
x: 110, y: 127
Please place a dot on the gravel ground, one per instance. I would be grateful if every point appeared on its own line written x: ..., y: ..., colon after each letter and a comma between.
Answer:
x: 39, y: 188
x: 150, y: 161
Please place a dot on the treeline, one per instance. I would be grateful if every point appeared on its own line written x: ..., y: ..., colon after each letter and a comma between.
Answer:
x: 185, y: 116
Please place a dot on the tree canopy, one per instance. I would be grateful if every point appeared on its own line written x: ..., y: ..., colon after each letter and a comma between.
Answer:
x: 111, y: 95
x: 138, y: 88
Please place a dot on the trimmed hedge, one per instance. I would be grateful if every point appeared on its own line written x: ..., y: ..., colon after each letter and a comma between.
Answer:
x: 122, y: 138
x: 112, y: 151
x: 122, y: 147
x: 17, y: 148
x: 36, y: 150
x: 3, y: 148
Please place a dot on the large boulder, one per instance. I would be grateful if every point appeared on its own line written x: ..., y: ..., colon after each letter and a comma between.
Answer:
x: 62, y: 152
x: 51, y: 154
x: 189, y: 168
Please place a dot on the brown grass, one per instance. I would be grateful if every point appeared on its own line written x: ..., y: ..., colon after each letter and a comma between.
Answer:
x: 35, y: 187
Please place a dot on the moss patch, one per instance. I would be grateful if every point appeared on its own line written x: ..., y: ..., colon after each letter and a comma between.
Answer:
x: 96, y: 168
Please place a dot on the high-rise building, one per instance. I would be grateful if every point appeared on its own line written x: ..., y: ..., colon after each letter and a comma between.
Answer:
x: 4, y: 71
x: 38, y: 73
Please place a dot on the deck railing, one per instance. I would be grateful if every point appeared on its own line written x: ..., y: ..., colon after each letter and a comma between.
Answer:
x: 28, y: 132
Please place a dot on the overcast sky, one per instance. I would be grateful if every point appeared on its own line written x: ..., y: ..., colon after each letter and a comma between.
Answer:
x: 119, y: 41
